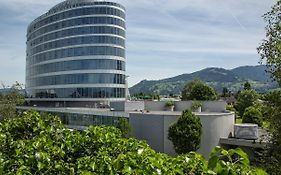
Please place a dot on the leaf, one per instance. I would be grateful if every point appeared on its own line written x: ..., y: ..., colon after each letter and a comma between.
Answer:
x: 245, y: 159
x: 213, y: 162
x: 216, y: 151
x: 40, y: 165
x: 87, y: 173
x: 260, y: 172
x: 224, y: 152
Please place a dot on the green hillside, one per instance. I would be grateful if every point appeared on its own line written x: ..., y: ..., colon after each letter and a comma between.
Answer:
x: 218, y: 78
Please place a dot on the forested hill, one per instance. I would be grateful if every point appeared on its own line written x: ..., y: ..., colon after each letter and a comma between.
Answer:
x: 218, y: 78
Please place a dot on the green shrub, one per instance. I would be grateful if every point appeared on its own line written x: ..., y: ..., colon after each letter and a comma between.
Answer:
x: 195, y: 105
x: 170, y: 103
x: 252, y: 115
x: 246, y: 99
x: 232, y: 109
x: 186, y: 133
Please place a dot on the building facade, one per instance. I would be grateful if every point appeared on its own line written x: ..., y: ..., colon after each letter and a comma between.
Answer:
x: 76, y: 53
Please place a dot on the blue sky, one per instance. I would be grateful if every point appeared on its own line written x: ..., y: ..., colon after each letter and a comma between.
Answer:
x: 164, y: 37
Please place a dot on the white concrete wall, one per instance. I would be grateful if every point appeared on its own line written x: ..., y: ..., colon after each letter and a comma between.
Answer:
x: 182, y: 105
x: 149, y: 128
x: 118, y: 106
x: 155, y: 105
x: 214, y: 106
x: 134, y: 105
x: 207, y: 106
x: 168, y: 145
x: 154, y: 127
x: 127, y: 105
x: 215, y: 126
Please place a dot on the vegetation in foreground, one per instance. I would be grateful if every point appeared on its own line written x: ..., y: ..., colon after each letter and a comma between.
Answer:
x: 32, y: 144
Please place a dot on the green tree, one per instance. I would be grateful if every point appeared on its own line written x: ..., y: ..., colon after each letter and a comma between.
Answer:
x: 247, y: 86
x: 155, y: 96
x: 198, y: 90
x: 271, y: 158
x: 270, y: 49
x: 252, y: 114
x: 225, y: 92
x: 186, y: 133
x: 124, y: 126
x: 10, y: 100
x: 141, y: 95
x: 270, y: 52
x: 246, y: 99
x: 188, y: 87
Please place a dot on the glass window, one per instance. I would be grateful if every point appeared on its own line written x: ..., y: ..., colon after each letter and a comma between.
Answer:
x: 77, y: 22
x: 79, y: 41
x: 79, y: 31
x: 77, y: 79
x: 78, y: 51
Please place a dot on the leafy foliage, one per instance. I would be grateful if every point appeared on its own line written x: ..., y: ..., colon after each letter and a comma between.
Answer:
x: 270, y: 49
x: 232, y: 109
x: 170, y: 103
x: 9, y: 101
x: 232, y: 161
x: 188, y: 88
x: 195, y: 105
x: 252, y: 115
x: 124, y: 126
x: 186, y: 133
x: 197, y: 90
x: 247, y: 86
x: 271, y: 159
x: 225, y: 92
x: 32, y: 144
x: 246, y: 99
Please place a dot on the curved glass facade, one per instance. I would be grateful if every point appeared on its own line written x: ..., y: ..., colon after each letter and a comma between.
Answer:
x: 78, y: 79
x: 106, y: 30
x: 80, y: 93
x: 76, y: 65
x: 77, y: 44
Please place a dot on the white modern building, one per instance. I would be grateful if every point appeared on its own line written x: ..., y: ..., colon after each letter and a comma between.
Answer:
x: 75, y: 55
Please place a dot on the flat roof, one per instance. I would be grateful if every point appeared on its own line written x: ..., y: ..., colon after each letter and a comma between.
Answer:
x: 75, y: 110
x: 242, y: 142
x: 108, y: 112
x: 177, y: 113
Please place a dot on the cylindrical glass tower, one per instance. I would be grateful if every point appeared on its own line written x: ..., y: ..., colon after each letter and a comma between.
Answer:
x: 76, y: 52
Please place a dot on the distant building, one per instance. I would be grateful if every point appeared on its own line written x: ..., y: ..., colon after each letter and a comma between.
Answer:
x: 76, y: 55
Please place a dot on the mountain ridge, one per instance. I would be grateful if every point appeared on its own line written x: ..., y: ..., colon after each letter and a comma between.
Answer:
x: 218, y: 78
